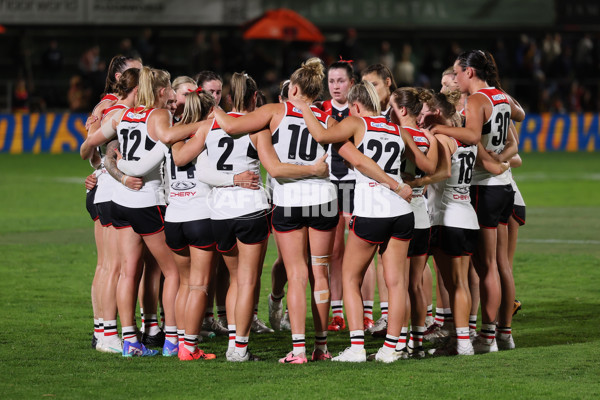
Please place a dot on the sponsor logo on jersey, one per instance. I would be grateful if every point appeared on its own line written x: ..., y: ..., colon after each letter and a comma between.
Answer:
x: 133, y: 115
x: 461, y: 190
x: 382, y: 125
x: 183, y: 185
x: 421, y: 140
x: 498, y: 97
x: 182, y: 194
x: 296, y: 110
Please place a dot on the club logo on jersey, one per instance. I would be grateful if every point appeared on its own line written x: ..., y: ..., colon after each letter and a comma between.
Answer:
x: 183, y: 185
x: 461, y: 190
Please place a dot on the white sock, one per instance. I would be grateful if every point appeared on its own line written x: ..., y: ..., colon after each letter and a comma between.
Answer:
x: 151, y: 325
x: 357, y: 340
x: 402, y: 339
x: 488, y: 332
x: 129, y: 334
x: 384, y: 309
x: 171, y: 334
x: 241, y: 345
x: 463, y: 339
x: 390, y: 344
x: 299, y: 344
x: 231, y: 329
x: 337, y: 308
x: 190, y: 342
x: 368, y: 309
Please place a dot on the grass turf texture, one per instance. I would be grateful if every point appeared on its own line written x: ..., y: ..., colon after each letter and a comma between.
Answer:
x: 48, y: 257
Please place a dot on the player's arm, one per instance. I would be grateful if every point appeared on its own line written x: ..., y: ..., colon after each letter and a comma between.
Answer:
x: 443, y: 168
x: 161, y: 128
x: 255, y: 121
x: 425, y: 162
x: 370, y: 168
x: 489, y: 163
x: 471, y: 133
x: 145, y: 164
x: 110, y: 163
x: 335, y: 132
x: 185, y: 151
x: 278, y: 170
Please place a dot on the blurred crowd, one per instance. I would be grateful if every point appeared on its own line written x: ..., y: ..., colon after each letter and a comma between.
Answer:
x: 549, y: 72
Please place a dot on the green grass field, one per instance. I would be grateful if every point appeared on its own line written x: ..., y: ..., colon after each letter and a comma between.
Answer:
x: 47, y: 258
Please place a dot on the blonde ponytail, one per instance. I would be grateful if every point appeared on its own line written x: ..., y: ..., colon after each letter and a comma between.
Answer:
x: 364, y: 93
x: 309, y: 78
x: 150, y: 83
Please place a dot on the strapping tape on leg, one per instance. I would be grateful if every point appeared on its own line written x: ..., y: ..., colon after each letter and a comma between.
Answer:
x: 321, y: 296
x: 200, y: 288
x: 323, y: 261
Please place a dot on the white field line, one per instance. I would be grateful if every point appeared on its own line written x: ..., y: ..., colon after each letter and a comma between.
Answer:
x: 542, y: 176
x: 69, y: 179
x: 559, y: 241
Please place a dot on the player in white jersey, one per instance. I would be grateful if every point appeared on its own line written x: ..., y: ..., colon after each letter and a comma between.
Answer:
x: 305, y: 209
x: 406, y: 105
x: 126, y: 90
x: 212, y: 83
x: 454, y: 221
x: 187, y: 228
x: 488, y: 114
x: 383, y: 80
x: 116, y: 67
x: 239, y: 215
x: 379, y: 216
x: 139, y: 215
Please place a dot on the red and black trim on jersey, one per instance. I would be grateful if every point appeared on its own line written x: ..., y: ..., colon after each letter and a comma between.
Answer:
x: 291, y: 111
x: 115, y: 107
x: 215, y: 124
x: 337, y: 114
x: 109, y: 97
x: 418, y: 136
x: 496, y: 97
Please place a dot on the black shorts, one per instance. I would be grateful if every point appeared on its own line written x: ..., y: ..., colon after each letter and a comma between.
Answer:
x: 381, y: 230
x: 519, y: 214
x: 455, y: 242
x: 105, y: 213
x: 89, y: 203
x: 143, y: 221
x: 322, y: 217
x: 198, y: 234
x: 248, y: 229
x: 493, y: 204
x: 419, y: 245
x: 345, y: 198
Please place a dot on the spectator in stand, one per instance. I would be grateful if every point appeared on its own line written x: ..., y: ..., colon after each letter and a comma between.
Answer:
x: 78, y: 95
